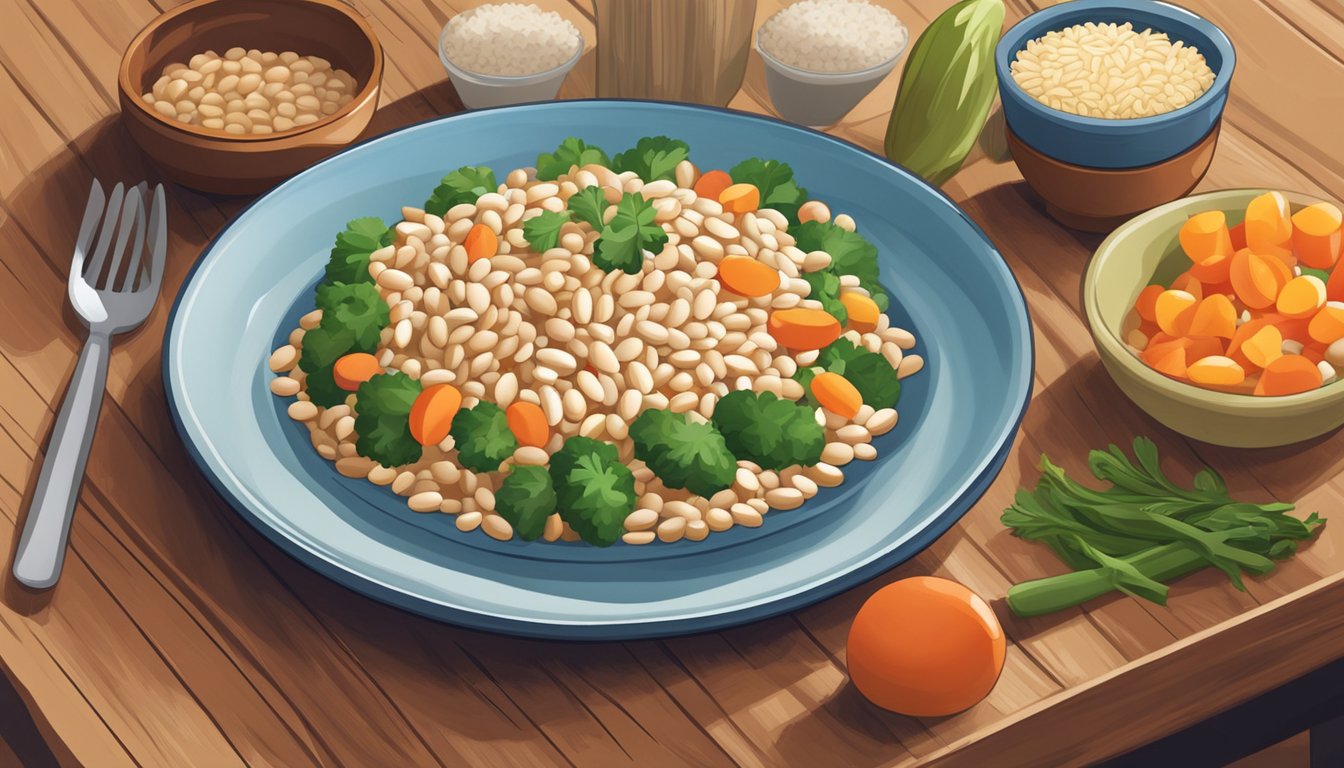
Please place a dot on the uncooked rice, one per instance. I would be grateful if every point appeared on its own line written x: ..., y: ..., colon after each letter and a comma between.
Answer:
x: 510, y: 39
x: 833, y: 35
x: 1112, y: 72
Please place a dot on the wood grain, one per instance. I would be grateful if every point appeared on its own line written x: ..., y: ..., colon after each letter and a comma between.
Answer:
x: 179, y: 636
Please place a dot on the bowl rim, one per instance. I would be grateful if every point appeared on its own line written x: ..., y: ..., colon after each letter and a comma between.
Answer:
x: 368, y: 89
x: 482, y: 78
x: 1110, y: 345
x: 848, y: 76
x: 1034, y: 24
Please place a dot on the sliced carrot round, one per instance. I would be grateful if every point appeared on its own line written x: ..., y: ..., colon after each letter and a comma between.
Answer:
x: 1334, y: 287
x: 1238, y: 236
x: 748, y: 277
x: 1254, y: 279
x: 432, y: 413
x: 1269, y: 223
x: 802, y: 329
x: 1263, y: 347
x: 740, y: 198
x: 528, y: 424
x: 1175, y: 310
x: 712, y: 184
x: 836, y: 394
x: 863, y: 311
x: 1316, y: 234
x: 1216, y: 371
x: 1205, y: 240
x: 1302, y: 297
x: 1327, y: 326
x: 1146, y: 303
x: 349, y: 371
x: 1215, y: 316
x: 1169, y: 360
x: 481, y: 242
x: 1188, y: 283
x: 1288, y: 375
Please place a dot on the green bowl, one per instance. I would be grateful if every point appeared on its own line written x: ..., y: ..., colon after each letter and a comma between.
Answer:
x: 1147, y: 249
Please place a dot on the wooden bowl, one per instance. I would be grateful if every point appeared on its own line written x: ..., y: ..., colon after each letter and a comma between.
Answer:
x: 1148, y: 247
x: 213, y: 161
x: 1101, y: 199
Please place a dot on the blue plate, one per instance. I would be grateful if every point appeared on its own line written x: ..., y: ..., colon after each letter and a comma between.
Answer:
x: 958, y: 416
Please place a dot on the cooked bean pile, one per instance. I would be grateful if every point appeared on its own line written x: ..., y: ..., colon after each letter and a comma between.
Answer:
x: 250, y: 91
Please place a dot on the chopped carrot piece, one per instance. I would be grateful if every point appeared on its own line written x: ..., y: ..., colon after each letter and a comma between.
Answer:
x: 1244, y: 332
x: 1288, y: 375
x: 1295, y: 328
x: 1263, y: 347
x: 740, y: 198
x: 1254, y: 279
x: 863, y: 311
x: 1205, y: 239
x: 481, y: 242
x: 1269, y: 223
x: 1316, y: 235
x: 1327, y: 326
x: 1224, y: 288
x: 1203, y: 346
x: 1302, y: 297
x: 1213, y: 269
x: 748, y: 277
x: 712, y: 184
x: 1216, y: 370
x: 1146, y: 303
x: 1188, y: 283
x: 802, y: 329
x: 1169, y: 361
x: 836, y: 394
x: 1334, y: 287
x: 1160, y: 338
x: 1215, y: 316
x: 1282, y: 268
x: 1175, y: 311
x: 1315, y: 351
x: 349, y: 371
x: 1238, y: 236
x: 528, y: 424
x: 432, y: 413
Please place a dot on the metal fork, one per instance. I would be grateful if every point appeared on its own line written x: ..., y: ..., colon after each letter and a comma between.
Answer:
x: 109, y: 305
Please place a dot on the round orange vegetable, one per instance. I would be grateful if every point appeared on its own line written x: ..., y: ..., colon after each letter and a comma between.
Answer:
x: 1288, y: 375
x: 1255, y: 279
x: 1269, y: 223
x: 836, y: 394
x: 1301, y: 297
x: 1264, y: 346
x: 1188, y: 283
x: 740, y: 198
x: 1215, y: 316
x: 925, y: 647
x: 862, y: 311
x: 712, y: 184
x: 803, y: 329
x: 1146, y: 303
x: 432, y: 413
x: 1327, y: 326
x: 354, y: 369
x: 481, y: 242
x: 748, y: 277
x: 1205, y: 239
x: 1175, y: 311
x: 1216, y: 370
x: 1316, y: 235
x: 528, y: 424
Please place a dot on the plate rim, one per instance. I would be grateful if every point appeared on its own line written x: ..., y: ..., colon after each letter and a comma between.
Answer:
x: 965, y: 497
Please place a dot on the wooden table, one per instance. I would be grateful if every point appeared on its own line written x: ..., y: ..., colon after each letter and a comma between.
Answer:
x: 179, y: 636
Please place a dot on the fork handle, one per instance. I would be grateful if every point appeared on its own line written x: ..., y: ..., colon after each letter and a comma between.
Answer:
x: 42, y: 546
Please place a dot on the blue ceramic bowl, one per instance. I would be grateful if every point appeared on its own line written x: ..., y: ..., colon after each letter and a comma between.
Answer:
x: 1098, y: 143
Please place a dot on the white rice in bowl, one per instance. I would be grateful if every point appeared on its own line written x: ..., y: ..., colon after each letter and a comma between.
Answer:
x: 833, y: 35
x: 510, y: 39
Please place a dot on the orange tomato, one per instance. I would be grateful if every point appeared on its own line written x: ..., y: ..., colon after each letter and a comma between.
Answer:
x: 925, y: 647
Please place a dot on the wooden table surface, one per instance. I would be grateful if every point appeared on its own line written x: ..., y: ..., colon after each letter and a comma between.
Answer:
x: 179, y: 636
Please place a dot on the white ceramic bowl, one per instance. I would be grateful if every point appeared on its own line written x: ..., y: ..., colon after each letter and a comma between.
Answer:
x: 819, y: 99
x: 479, y: 90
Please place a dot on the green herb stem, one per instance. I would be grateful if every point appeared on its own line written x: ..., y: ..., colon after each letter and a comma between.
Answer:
x: 1055, y: 593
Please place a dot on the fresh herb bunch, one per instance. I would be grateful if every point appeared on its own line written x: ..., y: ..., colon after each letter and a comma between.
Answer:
x: 350, y: 256
x: 825, y: 288
x: 653, y: 158
x: 774, y: 433
x: 630, y: 232
x: 1143, y: 530
x: 543, y: 231
x: 482, y: 437
x: 382, y: 419
x: 571, y: 152
x: 683, y: 453
x: 465, y: 185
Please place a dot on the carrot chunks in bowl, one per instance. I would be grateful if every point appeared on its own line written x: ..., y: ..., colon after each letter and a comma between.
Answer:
x: 1216, y: 371
x: 1175, y: 310
x: 1269, y: 224
x: 349, y: 371
x: 1215, y: 316
x: 1289, y: 375
x: 712, y: 184
x: 432, y: 413
x: 748, y: 277
x: 863, y: 311
x: 803, y: 329
x: 1205, y: 239
x: 740, y: 198
x: 528, y: 423
x: 836, y: 394
x: 481, y: 242
x: 1302, y: 297
x: 1316, y: 235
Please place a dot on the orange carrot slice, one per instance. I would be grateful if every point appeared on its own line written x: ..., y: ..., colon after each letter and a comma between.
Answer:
x: 1317, y: 234
x: 1169, y: 360
x: 481, y: 242
x: 354, y: 369
x: 1216, y: 371
x: 863, y: 311
x: 748, y: 277
x: 1205, y: 239
x: 1238, y: 236
x: 1254, y: 279
x: 712, y: 184
x: 1295, y: 328
x: 1188, y: 283
x: 1288, y: 375
x: 1175, y: 310
x: 1327, y: 326
x: 836, y: 394
x: 1203, y: 346
x: 803, y: 329
x: 1334, y: 287
x: 528, y: 424
x: 740, y: 198
x: 1146, y: 303
x: 1215, y: 316
x: 1213, y: 269
x: 1263, y: 347
x: 1269, y: 223
x: 432, y: 413
x: 1302, y: 297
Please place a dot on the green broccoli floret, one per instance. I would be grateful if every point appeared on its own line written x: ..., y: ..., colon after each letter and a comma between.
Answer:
x: 321, y: 388
x: 353, y: 316
x: 482, y: 436
x: 382, y: 419
x: 465, y: 185
x: 350, y: 256
x: 825, y: 286
x: 595, y: 491
x: 771, y: 432
x: 869, y: 372
x: 526, y: 498
x: 683, y: 453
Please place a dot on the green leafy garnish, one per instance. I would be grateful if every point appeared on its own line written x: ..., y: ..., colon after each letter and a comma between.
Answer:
x: 850, y: 254
x: 465, y: 185
x: 653, y: 158
x: 353, y: 317
x: 570, y: 153
x: 543, y: 232
x: 826, y: 289
x: 382, y: 419
x: 1143, y: 530
x: 482, y: 436
x: 595, y: 492
x: 590, y: 205
x: 562, y: 461
x: 775, y: 182
x: 630, y: 233
x: 350, y: 256
x: 321, y: 388
x: 869, y: 372
x: 683, y: 453
x: 526, y: 499
x: 774, y: 433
